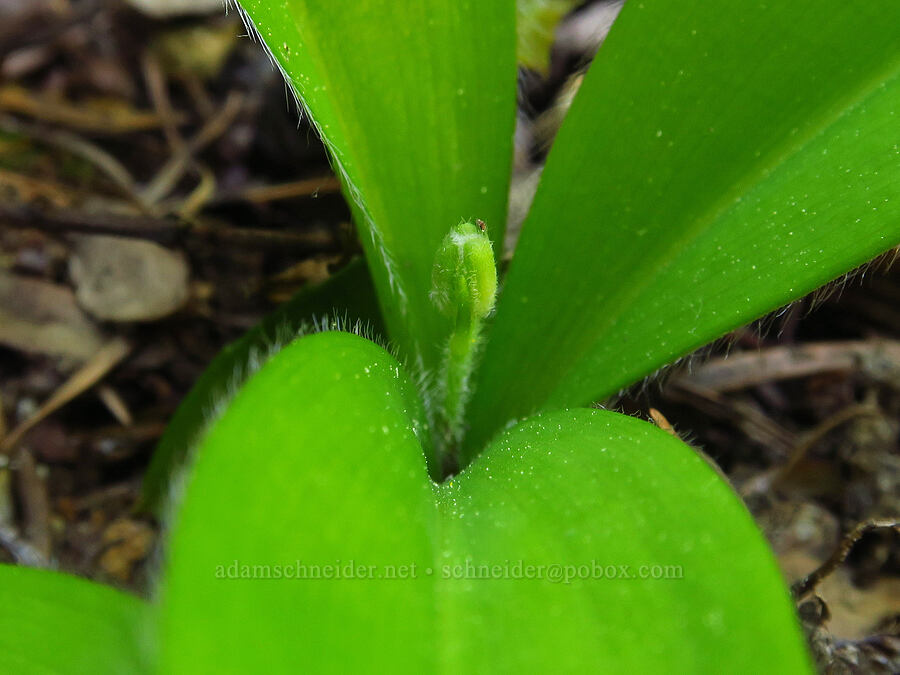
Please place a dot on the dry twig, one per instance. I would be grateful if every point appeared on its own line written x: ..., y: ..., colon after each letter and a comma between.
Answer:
x: 35, y: 504
x: 162, y: 230
x: 747, y: 369
x: 765, y: 481
x: 84, y: 378
x: 169, y: 175
x: 808, y: 583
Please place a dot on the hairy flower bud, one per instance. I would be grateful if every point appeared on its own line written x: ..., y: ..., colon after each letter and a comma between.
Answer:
x: 464, y: 278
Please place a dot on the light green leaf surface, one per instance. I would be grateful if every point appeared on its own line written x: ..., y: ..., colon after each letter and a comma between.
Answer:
x: 416, y: 102
x: 54, y: 623
x: 715, y: 165
x: 347, y: 297
x: 317, y: 463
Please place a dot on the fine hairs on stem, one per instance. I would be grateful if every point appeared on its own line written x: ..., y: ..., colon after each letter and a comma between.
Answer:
x: 463, y: 288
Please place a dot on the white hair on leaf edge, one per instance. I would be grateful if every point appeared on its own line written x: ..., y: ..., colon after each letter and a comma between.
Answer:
x: 336, y: 159
x: 220, y: 397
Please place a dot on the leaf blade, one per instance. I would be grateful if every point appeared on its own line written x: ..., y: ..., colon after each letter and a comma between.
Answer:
x: 718, y: 114
x: 574, y: 490
x: 336, y: 476
x: 56, y: 623
x: 563, y: 489
x: 418, y: 117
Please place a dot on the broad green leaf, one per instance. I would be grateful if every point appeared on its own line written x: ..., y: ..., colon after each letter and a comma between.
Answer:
x: 714, y: 166
x: 583, y: 489
x: 315, y: 462
x: 55, y: 623
x: 348, y: 297
x: 316, y: 468
x: 416, y: 102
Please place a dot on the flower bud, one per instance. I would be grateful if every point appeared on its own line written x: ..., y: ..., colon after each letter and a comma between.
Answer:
x: 464, y: 278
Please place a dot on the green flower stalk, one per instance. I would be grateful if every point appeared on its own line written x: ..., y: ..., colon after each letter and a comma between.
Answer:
x: 463, y: 288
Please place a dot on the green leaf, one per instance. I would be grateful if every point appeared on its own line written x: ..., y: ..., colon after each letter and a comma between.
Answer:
x: 55, y: 623
x: 316, y: 467
x: 584, y: 489
x: 347, y: 297
x: 714, y: 166
x: 316, y: 460
x: 417, y: 106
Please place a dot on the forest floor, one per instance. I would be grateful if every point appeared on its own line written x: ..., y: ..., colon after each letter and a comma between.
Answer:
x: 157, y: 198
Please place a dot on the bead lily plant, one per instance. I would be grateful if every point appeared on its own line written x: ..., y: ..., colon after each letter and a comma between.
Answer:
x: 453, y: 503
